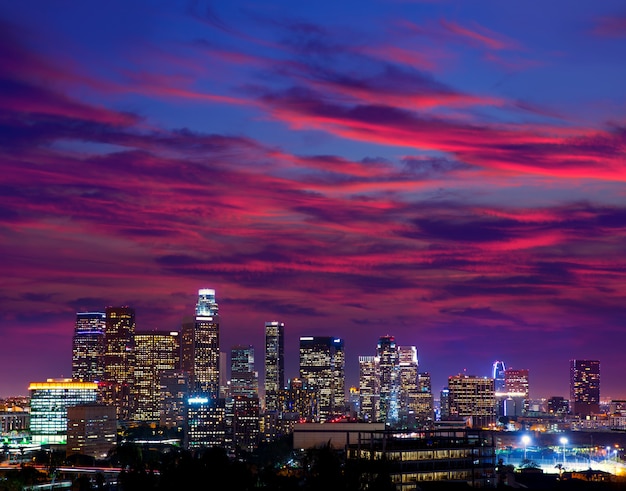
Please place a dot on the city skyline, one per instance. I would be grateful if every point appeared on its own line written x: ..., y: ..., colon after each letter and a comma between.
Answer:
x: 433, y: 171
x: 207, y: 305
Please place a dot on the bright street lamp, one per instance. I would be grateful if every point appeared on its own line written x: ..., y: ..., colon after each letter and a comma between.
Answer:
x: 564, y: 442
x: 525, y: 441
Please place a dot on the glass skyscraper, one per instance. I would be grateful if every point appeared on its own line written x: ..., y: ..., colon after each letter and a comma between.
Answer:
x: 49, y: 402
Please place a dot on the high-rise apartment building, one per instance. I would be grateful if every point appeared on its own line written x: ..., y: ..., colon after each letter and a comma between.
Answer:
x: 322, y: 366
x: 118, y: 360
x: 274, y: 363
x: 584, y: 387
x: 369, y: 388
x: 49, y: 402
x: 88, y: 346
x: 472, y: 397
x: 387, y: 354
x: 155, y: 352
x: 200, y: 345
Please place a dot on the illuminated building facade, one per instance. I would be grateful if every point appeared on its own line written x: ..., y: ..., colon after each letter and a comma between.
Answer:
x: 242, y: 407
x: 118, y: 359
x: 517, y: 389
x: 274, y: 363
x: 444, y: 404
x: 498, y: 374
x: 584, y: 387
x: 322, y: 366
x: 388, y: 360
x: 558, y: 406
x: 408, y: 386
x: 206, y: 422
x: 200, y: 345
x: 88, y: 346
x: 244, y: 380
x: 91, y: 430
x: 154, y: 353
x: 173, y: 393
x: 49, y: 402
x: 472, y: 397
x: 300, y: 399
x: 425, y: 404
x: 369, y: 388
x: 242, y: 423
x: 416, y: 459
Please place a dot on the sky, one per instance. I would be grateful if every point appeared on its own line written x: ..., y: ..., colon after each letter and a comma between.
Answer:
x: 450, y: 173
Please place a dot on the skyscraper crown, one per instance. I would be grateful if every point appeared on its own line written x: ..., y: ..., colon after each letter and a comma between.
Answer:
x: 206, y: 306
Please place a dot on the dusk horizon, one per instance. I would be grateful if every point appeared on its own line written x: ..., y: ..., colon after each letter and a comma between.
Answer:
x: 437, y: 171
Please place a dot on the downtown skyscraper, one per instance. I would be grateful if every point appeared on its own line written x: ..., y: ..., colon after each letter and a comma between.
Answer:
x: 200, y: 345
x: 88, y: 346
x: 274, y: 363
x: 119, y: 360
x: 155, y: 353
x: 388, y: 356
x: 584, y: 387
x: 322, y: 366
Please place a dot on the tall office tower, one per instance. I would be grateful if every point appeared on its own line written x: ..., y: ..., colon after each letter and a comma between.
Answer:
x: 200, y: 346
x: 244, y: 381
x: 425, y: 404
x: 369, y: 388
x: 387, y: 353
x: 584, y: 387
x: 322, y: 365
x: 118, y: 359
x: 155, y: 352
x: 49, y: 402
x: 173, y: 393
x: 408, y: 388
x: 242, y: 407
x: 274, y: 363
x: 517, y: 391
x: 472, y: 397
x: 498, y: 376
x: 444, y: 404
x: 88, y: 346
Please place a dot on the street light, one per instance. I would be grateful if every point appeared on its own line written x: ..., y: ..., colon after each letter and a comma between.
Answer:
x: 525, y: 441
x: 564, y: 442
